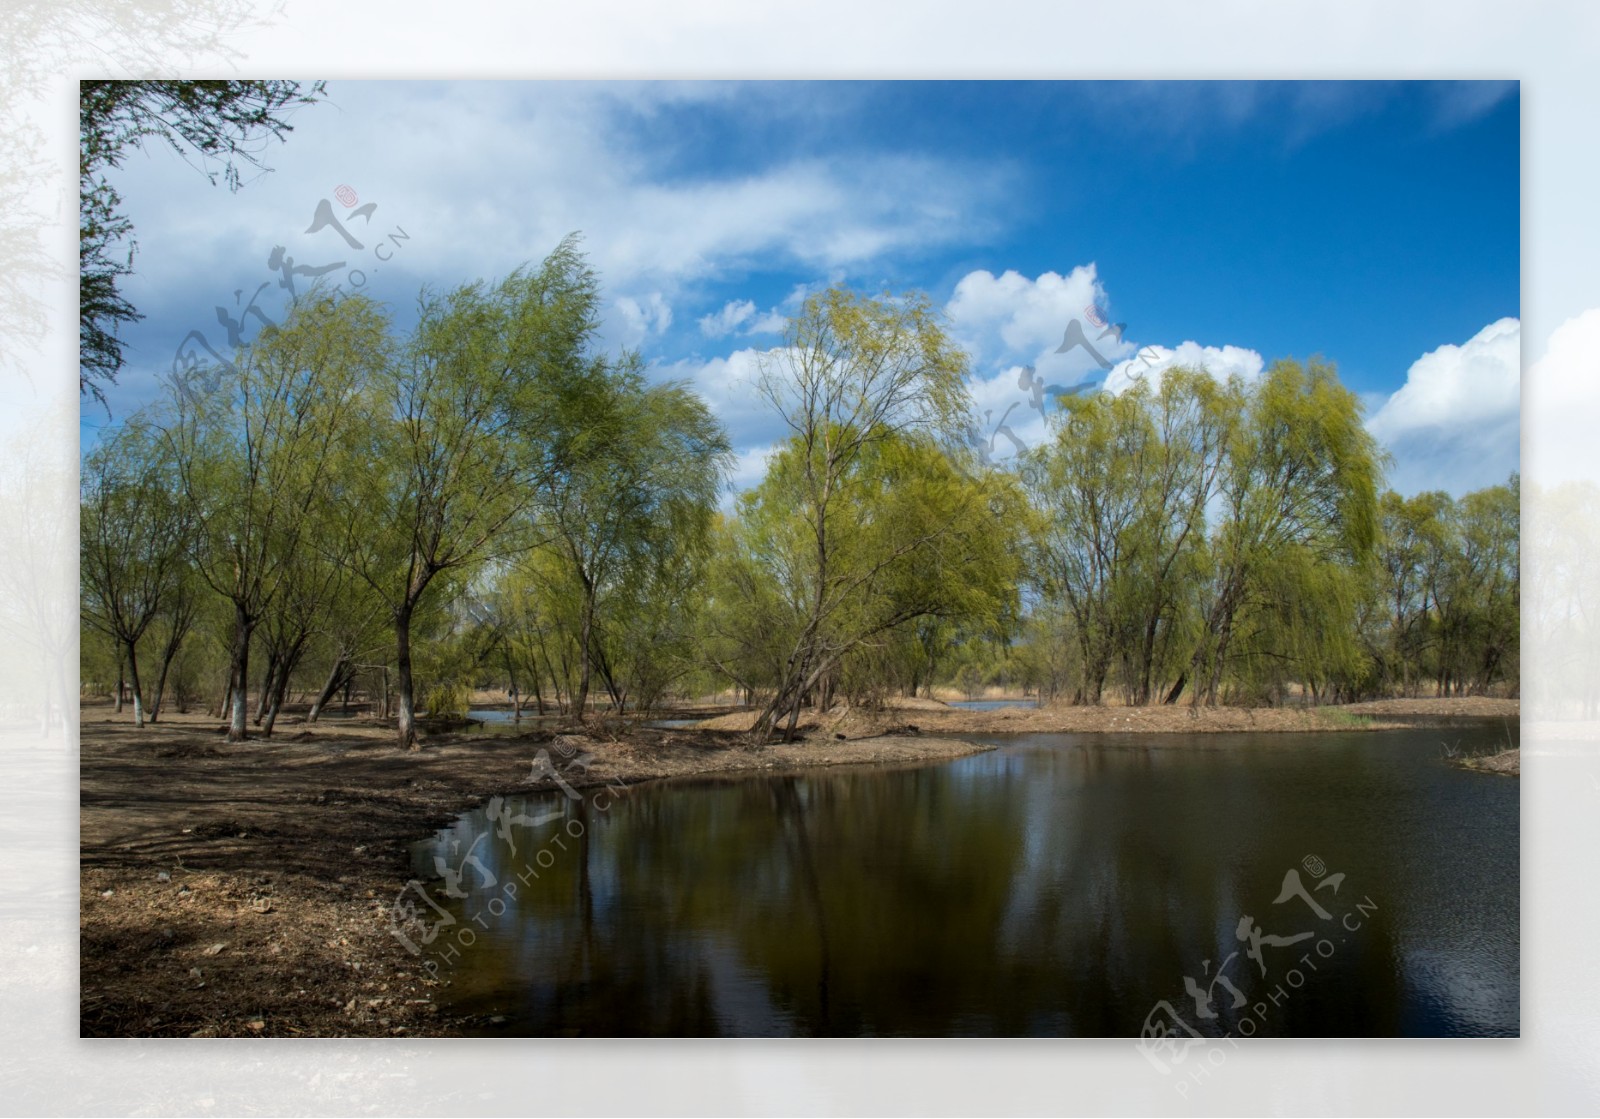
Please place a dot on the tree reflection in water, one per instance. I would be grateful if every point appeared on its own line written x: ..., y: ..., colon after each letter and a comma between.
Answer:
x: 1053, y: 887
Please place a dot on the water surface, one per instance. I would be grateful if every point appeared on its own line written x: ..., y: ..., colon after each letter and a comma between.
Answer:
x: 1060, y: 885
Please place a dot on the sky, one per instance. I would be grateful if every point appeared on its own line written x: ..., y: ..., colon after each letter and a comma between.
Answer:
x: 1226, y: 225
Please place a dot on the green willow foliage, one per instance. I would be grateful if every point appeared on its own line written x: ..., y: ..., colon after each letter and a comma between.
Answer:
x: 357, y: 505
x: 488, y: 501
x: 1226, y: 541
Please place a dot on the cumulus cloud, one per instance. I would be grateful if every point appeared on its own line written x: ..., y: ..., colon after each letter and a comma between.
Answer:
x: 740, y: 316
x: 1151, y: 362
x: 1034, y: 340
x: 727, y: 320
x: 1010, y: 318
x: 1454, y: 424
x: 773, y: 322
x: 1013, y: 405
x: 728, y: 386
x: 641, y: 317
x: 1008, y: 415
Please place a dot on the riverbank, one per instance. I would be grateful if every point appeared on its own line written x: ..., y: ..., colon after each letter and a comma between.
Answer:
x: 933, y: 717
x: 245, y: 890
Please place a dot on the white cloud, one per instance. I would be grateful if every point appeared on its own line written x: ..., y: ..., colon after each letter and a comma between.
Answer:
x: 1008, y: 412
x: 1012, y: 319
x: 1005, y: 414
x: 1036, y: 336
x: 773, y: 322
x: 728, y: 386
x: 727, y: 320
x: 641, y: 317
x: 1150, y: 362
x: 749, y: 467
x: 586, y: 157
x: 1454, y: 424
x: 740, y: 316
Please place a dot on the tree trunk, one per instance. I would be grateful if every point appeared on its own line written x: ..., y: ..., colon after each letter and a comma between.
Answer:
x: 618, y: 695
x: 580, y: 705
x: 1177, y: 689
x: 334, y: 676
x: 407, y: 724
x: 269, y: 683
x: 168, y: 654
x: 515, y: 694
x: 286, y: 666
x: 121, y: 683
x: 133, y: 680
x: 792, y: 687
x: 240, y: 682
x: 1147, y: 664
x: 159, y: 690
x: 182, y: 620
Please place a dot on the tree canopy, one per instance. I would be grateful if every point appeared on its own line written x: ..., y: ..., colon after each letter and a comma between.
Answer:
x: 489, y: 499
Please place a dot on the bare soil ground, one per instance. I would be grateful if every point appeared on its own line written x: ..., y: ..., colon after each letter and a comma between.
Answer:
x: 245, y: 889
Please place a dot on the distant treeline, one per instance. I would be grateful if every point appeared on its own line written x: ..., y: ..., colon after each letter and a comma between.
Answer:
x: 488, y: 501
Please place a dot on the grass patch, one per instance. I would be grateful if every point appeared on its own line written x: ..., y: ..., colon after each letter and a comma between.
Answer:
x: 1344, y: 720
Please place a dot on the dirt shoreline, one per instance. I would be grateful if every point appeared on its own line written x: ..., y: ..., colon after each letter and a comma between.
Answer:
x: 933, y: 717
x: 246, y: 890
x: 1507, y: 763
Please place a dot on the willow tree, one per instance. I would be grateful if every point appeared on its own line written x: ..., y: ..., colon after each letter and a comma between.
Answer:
x: 735, y: 640
x: 460, y: 434
x: 1089, y: 485
x: 1300, y: 474
x: 133, y: 543
x: 1479, y: 598
x: 629, y: 517
x: 256, y: 456
x: 1413, y: 543
x: 910, y: 533
x: 852, y: 372
x: 1121, y: 491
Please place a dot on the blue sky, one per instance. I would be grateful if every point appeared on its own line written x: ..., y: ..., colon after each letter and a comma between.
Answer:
x: 1227, y: 224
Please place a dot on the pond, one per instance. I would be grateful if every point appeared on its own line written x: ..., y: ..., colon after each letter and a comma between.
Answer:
x: 990, y: 704
x: 1338, y: 884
